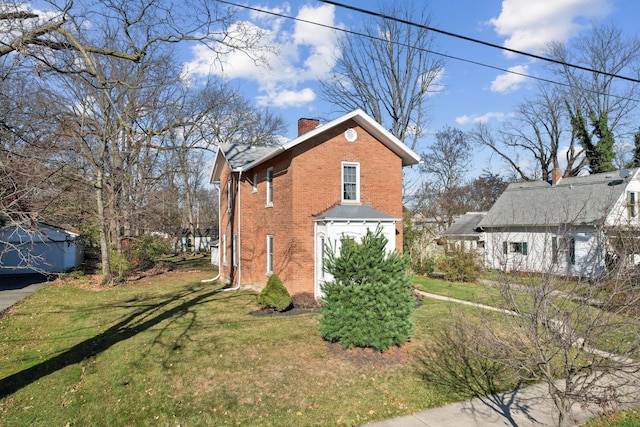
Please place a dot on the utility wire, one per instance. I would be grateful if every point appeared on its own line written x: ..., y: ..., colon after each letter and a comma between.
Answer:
x: 482, y: 42
x: 469, y: 61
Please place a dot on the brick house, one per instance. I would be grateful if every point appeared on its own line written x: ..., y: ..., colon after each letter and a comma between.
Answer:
x: 280, y: 205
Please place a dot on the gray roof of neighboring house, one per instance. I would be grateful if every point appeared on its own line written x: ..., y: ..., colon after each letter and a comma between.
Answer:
x: 239, y: 155
x: 465, y: 225
x: 582, y: 200
x: 353, y: 213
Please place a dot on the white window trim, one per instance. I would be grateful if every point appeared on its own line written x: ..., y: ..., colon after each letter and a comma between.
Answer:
x: 224, y: 249
x: 269, y: 254
x: 234, y: 250
x: 357, y: 166
x: 229, y: 190
x: 269, y: 181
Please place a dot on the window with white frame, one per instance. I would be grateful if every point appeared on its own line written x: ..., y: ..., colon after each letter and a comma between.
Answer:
x: 563, y: 249
x: 269, y: 253
x: 269, y: 187
x: 515, y: 248
x: 350, y: 182
x: 229, y: 197
x: 632, y: 203
x: 224, y: 249
x: 234, y: 250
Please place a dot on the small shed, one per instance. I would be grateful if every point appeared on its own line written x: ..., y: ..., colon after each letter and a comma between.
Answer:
x: 38, y: 248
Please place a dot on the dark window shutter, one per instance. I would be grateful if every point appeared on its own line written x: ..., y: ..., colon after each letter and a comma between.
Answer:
x: 524, y: 248
x: 505, y: 247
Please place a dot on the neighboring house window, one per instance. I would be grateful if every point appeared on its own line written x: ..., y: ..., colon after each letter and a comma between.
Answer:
x: 234, y: 253
x: 515, y: 248
x: 269, y: 187
x: 632, y: 203
x: 350, y: 182
x: 269, y: 253
x: 564, y: 249
x: 224, y: 249
x: 255, y: 182
x: 229, y: 198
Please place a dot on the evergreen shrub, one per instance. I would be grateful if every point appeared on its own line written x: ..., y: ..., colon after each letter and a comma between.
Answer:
x: 460, y: 265
x: 370, y: 301
x: 275, y: 295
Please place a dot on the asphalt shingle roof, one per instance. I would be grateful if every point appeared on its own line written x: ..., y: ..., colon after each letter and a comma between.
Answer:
x: 577, y: 200
x: 465, y: 225
x: 239, y: 155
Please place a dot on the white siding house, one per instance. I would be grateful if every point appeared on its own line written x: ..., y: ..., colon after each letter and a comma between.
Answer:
x: 42, y: 248
x: 566, y: 227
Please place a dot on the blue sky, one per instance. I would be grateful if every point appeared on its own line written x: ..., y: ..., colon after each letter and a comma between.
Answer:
x: 470, y: 92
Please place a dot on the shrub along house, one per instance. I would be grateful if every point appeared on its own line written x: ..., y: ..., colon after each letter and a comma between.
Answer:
x: 280, y: 205
x: 573, y: 226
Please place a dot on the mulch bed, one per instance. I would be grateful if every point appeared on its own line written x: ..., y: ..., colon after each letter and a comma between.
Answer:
x: 269, y: 312
x: 394, y: 356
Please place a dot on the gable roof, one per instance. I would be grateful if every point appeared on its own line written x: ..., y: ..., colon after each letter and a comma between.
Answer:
x: 242, y: 157
x: 465, y: 225
x: 581, y: 200
x: 353, y: 213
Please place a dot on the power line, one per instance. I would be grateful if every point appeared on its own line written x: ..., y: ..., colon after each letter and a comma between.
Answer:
x: 482, y: 42
x: 469, y: 61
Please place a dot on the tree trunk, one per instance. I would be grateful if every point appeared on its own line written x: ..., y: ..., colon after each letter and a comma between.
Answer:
x: 104, y: 244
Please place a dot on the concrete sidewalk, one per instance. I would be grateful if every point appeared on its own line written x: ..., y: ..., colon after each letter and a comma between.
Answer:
x: 530, y: 406
x: 526, y: 407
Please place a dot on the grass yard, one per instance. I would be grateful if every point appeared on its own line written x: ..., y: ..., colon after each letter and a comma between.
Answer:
x: 169, y: 350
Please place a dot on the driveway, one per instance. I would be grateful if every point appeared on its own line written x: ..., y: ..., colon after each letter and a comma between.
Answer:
x: 15, y: 287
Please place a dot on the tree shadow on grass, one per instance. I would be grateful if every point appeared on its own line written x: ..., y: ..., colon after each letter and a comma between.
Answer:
x: 140, y: 320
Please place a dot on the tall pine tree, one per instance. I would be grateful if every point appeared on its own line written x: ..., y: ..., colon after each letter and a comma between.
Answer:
x: 370, y: 301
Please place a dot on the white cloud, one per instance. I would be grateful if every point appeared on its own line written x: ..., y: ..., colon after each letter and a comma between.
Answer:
x: 286, y: 98
x: 530, y: 25
x: 299, y: 53
x: 485, y: 118
x: 509, y: 82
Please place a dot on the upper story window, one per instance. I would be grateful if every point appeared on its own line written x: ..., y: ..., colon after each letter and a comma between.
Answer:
x: 269, y: 187
x: 229, y: 194
x: 632, y: 203
x: 350, y: 182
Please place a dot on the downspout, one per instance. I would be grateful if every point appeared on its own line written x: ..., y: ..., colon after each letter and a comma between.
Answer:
x: 219, y: 251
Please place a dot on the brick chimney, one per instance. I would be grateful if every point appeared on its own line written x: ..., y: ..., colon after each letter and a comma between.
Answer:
x: 556, y: 176
x: 306, y: 125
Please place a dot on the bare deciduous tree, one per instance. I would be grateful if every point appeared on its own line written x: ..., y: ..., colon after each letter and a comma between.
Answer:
x: 578, y: 336
x: 105, y: 93
x: 388, y: 73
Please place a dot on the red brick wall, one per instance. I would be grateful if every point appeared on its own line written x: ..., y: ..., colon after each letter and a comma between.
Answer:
x: 307, y: 181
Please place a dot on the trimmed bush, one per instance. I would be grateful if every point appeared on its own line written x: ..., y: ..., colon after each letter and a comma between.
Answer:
x: 275, y: 295
x: 370, y: 301
x: 460, y: 265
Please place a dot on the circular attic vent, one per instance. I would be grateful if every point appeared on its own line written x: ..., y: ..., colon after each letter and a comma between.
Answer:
x: 351, y: 135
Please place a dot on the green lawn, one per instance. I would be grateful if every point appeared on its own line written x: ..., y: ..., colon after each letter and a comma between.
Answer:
x: 163, y: 351
x: 169, y: 350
